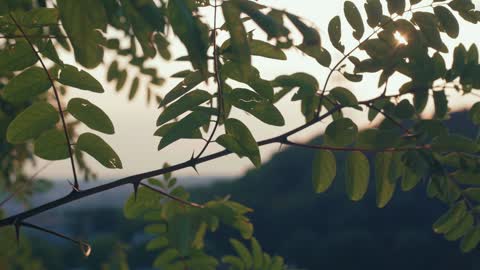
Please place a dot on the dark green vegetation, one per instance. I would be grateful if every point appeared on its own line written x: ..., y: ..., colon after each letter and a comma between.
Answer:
x: 404, y: 152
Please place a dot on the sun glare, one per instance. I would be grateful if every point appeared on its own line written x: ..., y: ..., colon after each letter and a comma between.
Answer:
x: 400, y: 39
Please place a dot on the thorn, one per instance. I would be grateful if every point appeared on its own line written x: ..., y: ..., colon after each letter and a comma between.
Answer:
x: 135, y: 190
x: 280, y: 146
x: 17, y: 231
x: 74, y: 187
x: 193, y: 163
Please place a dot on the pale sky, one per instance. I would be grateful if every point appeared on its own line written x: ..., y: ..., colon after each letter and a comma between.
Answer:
x: 135, y: 122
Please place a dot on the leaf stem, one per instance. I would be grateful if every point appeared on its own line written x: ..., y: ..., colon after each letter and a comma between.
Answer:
x: 219, y: 82
x: 177, y: 199
x: 57, y: 97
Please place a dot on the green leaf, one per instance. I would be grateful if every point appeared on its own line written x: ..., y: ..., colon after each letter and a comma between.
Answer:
x: 470, y: 240
x: 52, y: 145
x: 467, y: 178
x: 235, y: 262
x: 239, y: 40
x: 192, y: 32
x: 17, y: 57
x: 242, y: 252
x: 82, y: 29
x: 257, y: 254
x: 461, y: 228
x: 428, y: 26
x: 385, y: 186
x: 404, y: 110
x: 71, y: 76
x: 190, y: 81
x: 345, y: 97
x: 256, y: 105
x: 441, y: 104
x: 26, y: 85
x: 357, y: 173
x: 396, y: 6
x: 137, y: 15
x: 472, y: 54
x: 268, y: 24
x: 133, y: 88
x: 239, y: 139
x: 448, y: 220
x: 341, y: 132
x: 185, y: 103
x: 91, y: 115
x: 324, y: 169
x: 473, y: 193
x: 447, y: 21
x: 99, y: 149
x: 353, y: 77
x: 265, y: 49
x: 335, y: 33
x: 354, y: 19
x: 30, y: 123
x: 454, y: 143
x: 184, y: 128
x: 163, y: 130
x: 474, y: 113
x: 51, y: 53
x: 374, y: 12
x: 312, y: 44
x: 308, y: 85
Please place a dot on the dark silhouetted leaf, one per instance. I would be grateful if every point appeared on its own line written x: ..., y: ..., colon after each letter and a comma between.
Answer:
x: 354, y: 19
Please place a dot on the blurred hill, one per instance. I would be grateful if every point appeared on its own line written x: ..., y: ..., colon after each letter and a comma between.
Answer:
x: 327, y: 231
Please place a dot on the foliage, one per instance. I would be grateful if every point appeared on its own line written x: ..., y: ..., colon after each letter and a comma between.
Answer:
x: 407, y: 149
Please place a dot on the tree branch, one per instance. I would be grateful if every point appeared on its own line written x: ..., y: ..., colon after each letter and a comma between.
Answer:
x: 135, y: 179
x: 358, y: 149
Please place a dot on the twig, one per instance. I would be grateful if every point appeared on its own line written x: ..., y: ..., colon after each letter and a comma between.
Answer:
x: 36, y: 36
x: 389, y: 117
x: 358, y: 149
x: 57, y: 97
x: 86, y: 249
x: 21, y: 188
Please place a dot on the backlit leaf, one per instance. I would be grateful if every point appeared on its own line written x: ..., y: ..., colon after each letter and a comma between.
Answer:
x: 240, y: 140
x: 52, y: 145
x: 30, y: 123
x: 324, y: 169
x: 80, y: 79
x: 99, y: 149
x: 185, y: 103
x: 357, y: 173
x: 26, y: 85
x: 91, y: 115
x: 341, y: 132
